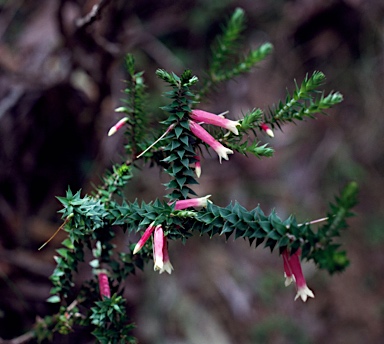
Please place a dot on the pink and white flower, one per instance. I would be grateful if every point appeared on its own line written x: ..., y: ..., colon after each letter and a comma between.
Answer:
x: 193, y: 202
x: 197, y: 166
x: 158, y: 245
x: 144, y: 238
x: 167, y: 266
x: 204, y: 136
x: 160, y: 249
x: 117, y: 126
x: 160, y: 252
x: 211, y: 118
x: 267, y: 130
x: 292, y: 269
x: 288, y: 275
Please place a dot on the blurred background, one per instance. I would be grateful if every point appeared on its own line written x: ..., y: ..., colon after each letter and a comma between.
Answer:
x: 61, y: 76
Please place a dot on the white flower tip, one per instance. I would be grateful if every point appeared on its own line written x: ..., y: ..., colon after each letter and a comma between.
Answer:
x: 223, y: 153
x: 112, y: 131
x: 207, y: 197
x: 158, y: 266
x: 234, y: 129
x: 232, y: 126
x: 137, y: 249
x: 303, y: 293
x: 270, y: 133
x: 288, y: 279
x: 120, y: 109
x: 167, y: 267
x: 205, y: 200
x: 198, y: 171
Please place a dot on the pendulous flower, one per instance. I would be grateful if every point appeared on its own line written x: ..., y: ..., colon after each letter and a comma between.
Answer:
x: 105, y: 291
x: 204, y: 136
x: 158, y: 244
x: 193, y: 202
x: 294, y: 265
x: 117, y: 126
x: 167, y: 266
x: 144, y: 238
x: 289, y: 278
x: 160, y: 252
x: 211, y: 118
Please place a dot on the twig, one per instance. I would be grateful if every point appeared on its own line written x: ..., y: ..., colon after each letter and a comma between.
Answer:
x: 93, y: 15
x: 57, y: 231
x: 314, y: 221
x: 159, y: 139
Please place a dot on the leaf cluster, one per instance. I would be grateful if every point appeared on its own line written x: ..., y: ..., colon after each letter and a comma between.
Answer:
x: 226, y: 62
x: 180, y: 151
x: 306, y: 101
x: 110, y: 320
x: 134, y: 106
x: 328, y: 254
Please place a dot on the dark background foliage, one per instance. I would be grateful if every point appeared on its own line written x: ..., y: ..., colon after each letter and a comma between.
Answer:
x: 60, y: 81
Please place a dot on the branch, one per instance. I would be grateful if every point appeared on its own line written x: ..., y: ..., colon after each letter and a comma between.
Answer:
x: 92, y: 16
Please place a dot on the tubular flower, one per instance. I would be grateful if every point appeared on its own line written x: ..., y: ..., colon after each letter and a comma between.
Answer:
x: 105, y: 291
x: 293, y: 262
x: 211, y: 118
x: 167, y: 266
x: 160, y: 252
x: 197, y: 166
x: 289, y: 278
x: 144, y: 238
x: 267, y: 130
x: 193, y: 202
x: 204, y: 136
x: 117, y: 126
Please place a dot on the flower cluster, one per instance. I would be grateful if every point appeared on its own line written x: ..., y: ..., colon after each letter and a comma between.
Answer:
x: 294, y: 273
x: 160, y: 244
x: 160, y: 247
x: 200, y: 116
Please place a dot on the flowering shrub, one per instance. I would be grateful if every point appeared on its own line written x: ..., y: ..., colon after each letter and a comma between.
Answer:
x: 92, y: 221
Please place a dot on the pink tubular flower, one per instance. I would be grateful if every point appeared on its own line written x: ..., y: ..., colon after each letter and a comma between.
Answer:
x: 204, y: 136
x: 267, y: 129
x: 293, y: 264
x: 104, y: 285
x: 167, y: 266
x: 193, y: 202
x: 210, y: 118
x: 117, y: 126
x: 160, y: 252
x: 289, y: 278
x: 158, y: 246
x: 144, y: 238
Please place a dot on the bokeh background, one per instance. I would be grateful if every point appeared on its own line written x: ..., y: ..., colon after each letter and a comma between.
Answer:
x: 60, y: 81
